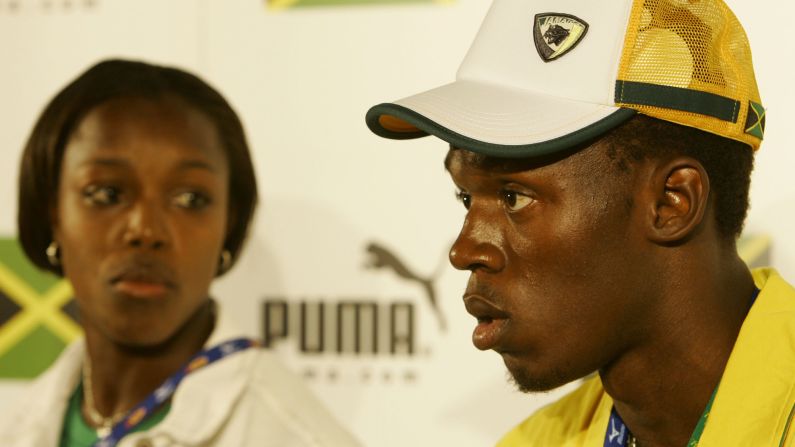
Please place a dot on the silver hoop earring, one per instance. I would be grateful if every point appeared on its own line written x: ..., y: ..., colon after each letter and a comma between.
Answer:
x: 53, y: 255
x: 226, y: 261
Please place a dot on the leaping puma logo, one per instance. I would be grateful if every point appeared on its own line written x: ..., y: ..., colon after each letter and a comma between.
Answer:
x: 381, y: 257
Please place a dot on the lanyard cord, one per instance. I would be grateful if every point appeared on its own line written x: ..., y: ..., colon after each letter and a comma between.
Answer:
x: 164, y: 392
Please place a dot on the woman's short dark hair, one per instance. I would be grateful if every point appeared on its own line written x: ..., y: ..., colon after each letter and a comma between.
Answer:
x: 105, y: 81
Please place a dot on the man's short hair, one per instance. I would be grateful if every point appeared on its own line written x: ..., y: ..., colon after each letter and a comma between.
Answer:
x: 728, y: 162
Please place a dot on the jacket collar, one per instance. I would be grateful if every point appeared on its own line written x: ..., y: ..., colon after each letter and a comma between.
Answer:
x: 757, y: 391
x: 205, y: 398
x: 38, y: 422
x: 198, y: 408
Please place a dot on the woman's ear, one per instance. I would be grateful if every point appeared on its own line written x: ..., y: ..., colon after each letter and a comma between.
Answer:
x: 678, y: 200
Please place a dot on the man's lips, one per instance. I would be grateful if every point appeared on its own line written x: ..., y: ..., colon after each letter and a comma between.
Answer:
x: 492, y: 321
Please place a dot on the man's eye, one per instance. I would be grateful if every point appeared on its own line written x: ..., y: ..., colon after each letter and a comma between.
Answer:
x: 101, y: 195
x: 464, y: 198
x: 191, y: 200
x: 515, y: 200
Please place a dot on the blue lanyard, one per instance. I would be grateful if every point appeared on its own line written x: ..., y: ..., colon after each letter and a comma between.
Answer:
x: 616, y: 435
x: 166, y: 390
x: 617, y: 430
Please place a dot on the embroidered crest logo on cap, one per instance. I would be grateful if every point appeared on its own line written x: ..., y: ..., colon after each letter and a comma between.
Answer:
x: 601, y: 62
x: 557, y: 34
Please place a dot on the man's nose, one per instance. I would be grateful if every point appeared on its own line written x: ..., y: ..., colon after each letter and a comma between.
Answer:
x: 478, y: 247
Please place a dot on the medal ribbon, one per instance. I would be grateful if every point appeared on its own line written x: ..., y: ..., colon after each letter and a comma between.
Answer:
x: 166, y: 390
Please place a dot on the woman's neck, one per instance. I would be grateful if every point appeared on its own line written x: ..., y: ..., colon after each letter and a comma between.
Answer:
x: 122, y: 376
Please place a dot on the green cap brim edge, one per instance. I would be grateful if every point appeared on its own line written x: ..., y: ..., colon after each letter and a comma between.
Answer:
x: 430, y: 127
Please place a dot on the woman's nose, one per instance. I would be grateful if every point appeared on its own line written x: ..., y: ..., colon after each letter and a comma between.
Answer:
x: 146, y: 226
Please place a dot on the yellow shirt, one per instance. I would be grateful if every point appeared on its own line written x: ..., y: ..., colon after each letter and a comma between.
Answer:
x: 754, y: 404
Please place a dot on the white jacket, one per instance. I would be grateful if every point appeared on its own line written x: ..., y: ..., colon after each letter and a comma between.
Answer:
x: 246, y: 399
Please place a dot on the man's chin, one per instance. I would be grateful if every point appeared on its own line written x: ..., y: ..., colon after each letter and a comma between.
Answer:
x: 527, y: 382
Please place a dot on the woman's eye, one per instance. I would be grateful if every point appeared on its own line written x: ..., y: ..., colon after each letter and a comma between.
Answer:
x: 102, y: 195
x: 464, y: 198
x: 515, y: 200
x: 191, y: 200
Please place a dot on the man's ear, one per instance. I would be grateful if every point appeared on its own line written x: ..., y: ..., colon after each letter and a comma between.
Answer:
x: 679, y: 198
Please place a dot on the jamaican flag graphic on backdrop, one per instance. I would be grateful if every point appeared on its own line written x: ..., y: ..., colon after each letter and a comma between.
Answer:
x: 37, y: 315
x: 283, y: 4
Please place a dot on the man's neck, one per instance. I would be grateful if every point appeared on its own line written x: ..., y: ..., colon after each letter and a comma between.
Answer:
x: 662, y: 385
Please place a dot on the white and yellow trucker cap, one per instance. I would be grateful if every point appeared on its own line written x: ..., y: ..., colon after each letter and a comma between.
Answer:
x: 545, y: 75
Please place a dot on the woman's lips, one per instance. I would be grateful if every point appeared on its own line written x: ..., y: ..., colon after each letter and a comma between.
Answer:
x: 141, y: 289
x: 492, y: 322
x: 142, y: 282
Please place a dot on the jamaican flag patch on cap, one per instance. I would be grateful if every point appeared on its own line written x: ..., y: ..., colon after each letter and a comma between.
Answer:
x: 755, y: 123
x: 37, y: 315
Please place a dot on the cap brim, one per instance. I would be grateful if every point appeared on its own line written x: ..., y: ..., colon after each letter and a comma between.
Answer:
x: 495, y: 121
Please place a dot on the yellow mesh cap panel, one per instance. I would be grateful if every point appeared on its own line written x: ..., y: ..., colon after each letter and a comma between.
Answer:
x: 689, y: 62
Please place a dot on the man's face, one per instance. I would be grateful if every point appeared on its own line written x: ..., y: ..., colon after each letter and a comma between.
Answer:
x: 556, y: 264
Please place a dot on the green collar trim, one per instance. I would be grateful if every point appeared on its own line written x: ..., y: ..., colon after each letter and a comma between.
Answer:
x: 702, y: 422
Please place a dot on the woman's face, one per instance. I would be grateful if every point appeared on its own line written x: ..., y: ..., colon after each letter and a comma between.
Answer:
x: 141, y: 217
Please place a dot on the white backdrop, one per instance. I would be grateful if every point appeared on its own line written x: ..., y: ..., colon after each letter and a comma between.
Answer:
x: 301, y: 81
